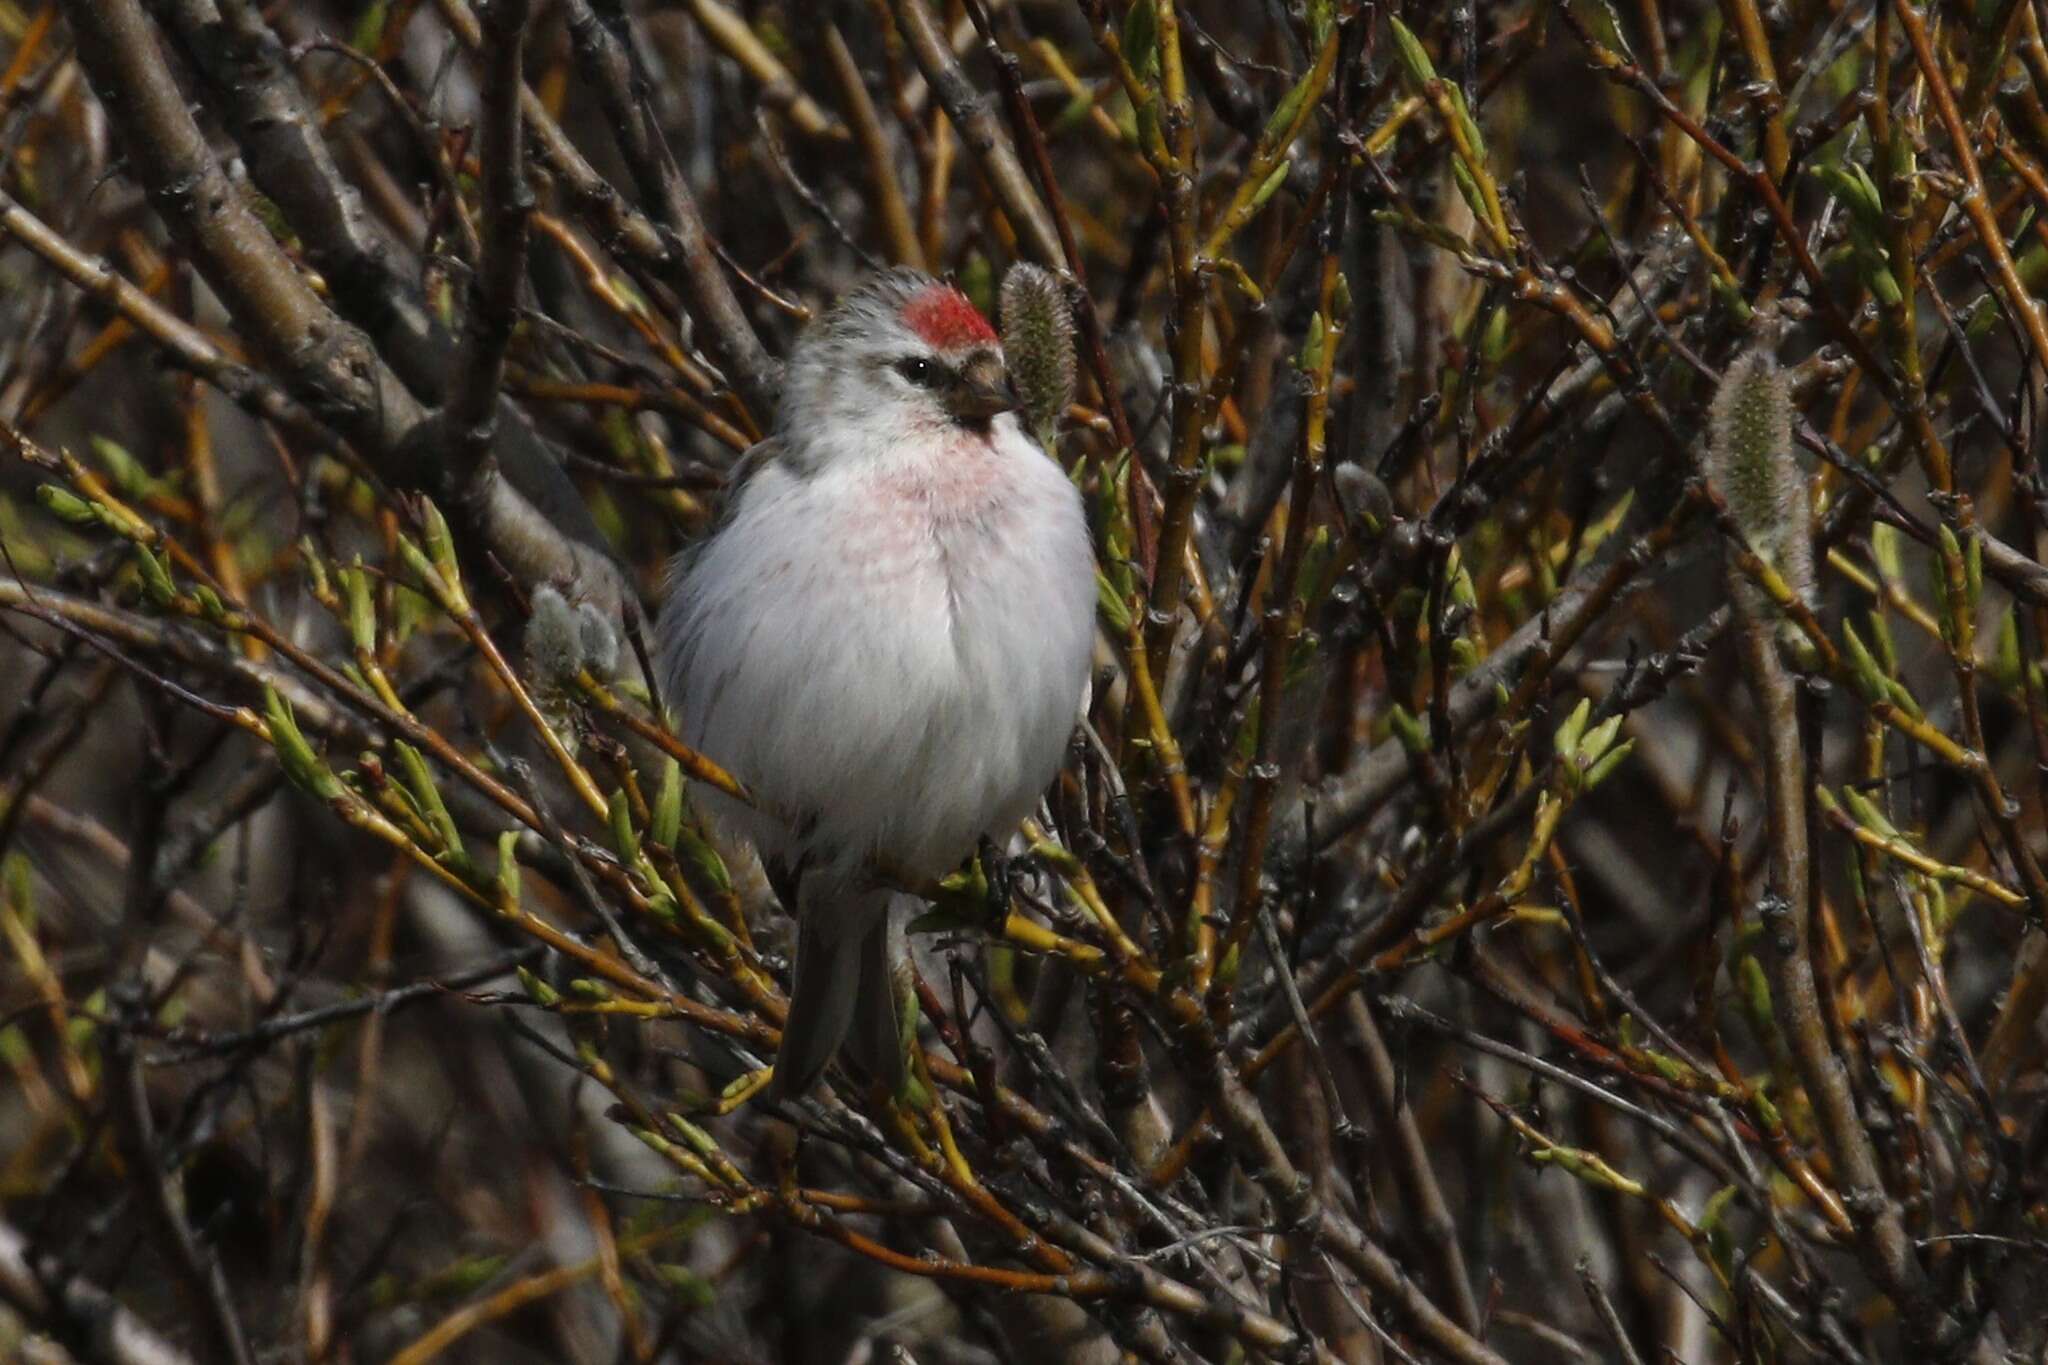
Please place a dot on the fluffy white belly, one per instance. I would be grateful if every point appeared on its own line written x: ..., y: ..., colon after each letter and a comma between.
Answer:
x: 899, y: 676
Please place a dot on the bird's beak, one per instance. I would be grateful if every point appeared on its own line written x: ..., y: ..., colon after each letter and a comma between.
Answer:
x: 983, y: 391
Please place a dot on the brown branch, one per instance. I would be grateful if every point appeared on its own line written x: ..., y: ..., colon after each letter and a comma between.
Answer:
x: 186, y: 647
x: 691, y: 264
x: 468, y: 416
x: 183, y: 343
x: 527, y: 508
x: 893, y: 211
x: 1298, y: 1208
x: 1436, y: 1231
x: 232, y: 47
x: 76, y: 1311
x: 1974, y: 202
x: 1880, y: 1227
x: 328, y: 364
x: 194, y: 1263
x: 1094, y: 342
x: 593, y: 195
x: 979, y: 129
x: 1536, y: 648
x: 779, y: 89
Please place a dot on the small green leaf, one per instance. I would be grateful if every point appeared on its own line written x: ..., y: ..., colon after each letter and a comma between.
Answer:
x: 1270, y: 186
x: 1408, y: 50
x: 66, y: 505
x: 1283, y: 115
x: 624, y: 839
x: 537, y: 990
x: 1608, y: 762
x: 301, y: 765
x: 667, y: 818
x: 692, y: 848
x: 423, y: 568
x: 1863, y: 669
x: 1311, y: 361
x: 1111, y: 603
x: 1884, y: 549
x: 1598, y: 740
x: 1141, y: 39
x: 362, y: 611
x: 369, y: 29
x: 156, y: 577
x: 508, y: 868
x: 1866, y: 812
x: 1853, y: 189
x: 126, y: 471
x: 419, y: 781
x: 1881, y: 641
x: 441, y: 546
x: 2005, y: 658
x: 316, y: 568
x: 1321, y: 14
x: 1566, y: 740
x: 686, y: 1288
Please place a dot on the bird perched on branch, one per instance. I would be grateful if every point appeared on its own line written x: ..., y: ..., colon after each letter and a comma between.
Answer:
x: 887, y: 637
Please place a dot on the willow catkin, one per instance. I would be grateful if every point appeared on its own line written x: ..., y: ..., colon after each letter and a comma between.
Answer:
x: 1752, y: 463
x: 1038, y: 343
x: 562, y: 640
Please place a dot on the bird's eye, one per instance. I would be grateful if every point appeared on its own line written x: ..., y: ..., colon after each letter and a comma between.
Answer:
x: 918, y: 371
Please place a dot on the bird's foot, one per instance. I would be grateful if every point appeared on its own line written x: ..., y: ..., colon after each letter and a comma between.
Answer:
x: 995, y: 871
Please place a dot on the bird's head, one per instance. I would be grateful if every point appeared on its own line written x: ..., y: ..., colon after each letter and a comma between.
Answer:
x: 904, y: 350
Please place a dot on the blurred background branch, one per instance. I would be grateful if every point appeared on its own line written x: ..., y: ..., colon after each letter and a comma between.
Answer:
x: 1553, y: 867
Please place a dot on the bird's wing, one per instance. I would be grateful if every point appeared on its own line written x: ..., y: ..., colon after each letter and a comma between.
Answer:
x: 758, y: 456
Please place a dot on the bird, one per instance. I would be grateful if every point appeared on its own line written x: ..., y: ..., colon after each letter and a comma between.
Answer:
x: 886, y: 636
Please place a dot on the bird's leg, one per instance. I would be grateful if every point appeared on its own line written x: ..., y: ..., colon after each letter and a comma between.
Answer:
x: 910, y: 1088
x: 995, y: 870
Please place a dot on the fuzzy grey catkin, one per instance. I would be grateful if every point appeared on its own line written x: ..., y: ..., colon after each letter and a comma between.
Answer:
x: 1365, y: 498
x: 554, y: 640
x: 1752, y: 462
x: 562, y: 639
x: 1038, y: 344
x: 555, y: 648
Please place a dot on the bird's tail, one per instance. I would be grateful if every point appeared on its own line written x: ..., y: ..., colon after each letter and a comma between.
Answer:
x: 845, y: 994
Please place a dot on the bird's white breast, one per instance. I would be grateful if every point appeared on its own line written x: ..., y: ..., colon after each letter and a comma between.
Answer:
x: 894, y: 648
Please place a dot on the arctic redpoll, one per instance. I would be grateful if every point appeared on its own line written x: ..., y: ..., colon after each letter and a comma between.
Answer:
x: 886, y: 637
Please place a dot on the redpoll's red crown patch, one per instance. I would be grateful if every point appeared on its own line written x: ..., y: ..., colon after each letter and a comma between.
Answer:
x: 944, y: 319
